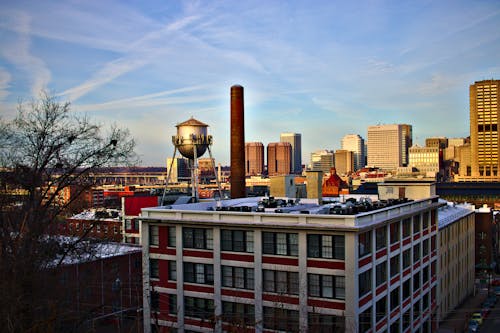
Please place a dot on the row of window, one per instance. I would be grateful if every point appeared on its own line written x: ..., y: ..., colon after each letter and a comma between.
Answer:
x: 280, y: 282
x: 275, y: 243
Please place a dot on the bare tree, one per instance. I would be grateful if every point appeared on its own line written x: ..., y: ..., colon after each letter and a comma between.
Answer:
x: 44, y: 151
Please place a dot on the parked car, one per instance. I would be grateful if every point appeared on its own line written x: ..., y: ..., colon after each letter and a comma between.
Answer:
x: 476, y: 316
x: 473, y: 326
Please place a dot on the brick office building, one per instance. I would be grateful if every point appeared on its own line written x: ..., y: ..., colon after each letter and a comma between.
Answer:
x: 356, y: 267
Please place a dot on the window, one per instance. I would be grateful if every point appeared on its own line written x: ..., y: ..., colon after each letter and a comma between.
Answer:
x: 425, y: 275
x: 425, y: 247
x: 365, y: 320
x: 198, y: 238
x: 381, y: 273
x: 281, y: 319
x: 416, y: 281
x: 199, y: 307
x: 237, y: 240
x: 395, y: 327
x: 198, y: 273
x: 394, y: 231
x: 381, y: 309
x: 155, y: 301
x: 281, y: 282
x: 238, y: 313
x: 416, y: 310
x: 365, y: 243
x: 280, y: 243
x: 154, y: 236
x: 380, y: 238
x: 425, y: 221
x: 425, y: 302
x: 171, y: 237
x: 237, y: 277
x: 394, y: 265
x: 365, y: 282
x: 406, y: 289
x: 154, y: 270
x: 394, y: 298
x: 406, y: 259
x: 326, y: 286
x: 326, y: 246
x: 406, y: 320
x: 406, y: 227
x: 172, y: 304
x: 321, y: 323
x: 416, y: 253
x: 172, y: 270
x: 416, y: 224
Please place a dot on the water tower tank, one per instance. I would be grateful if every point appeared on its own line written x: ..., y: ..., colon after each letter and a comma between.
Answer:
x: 192, y: 133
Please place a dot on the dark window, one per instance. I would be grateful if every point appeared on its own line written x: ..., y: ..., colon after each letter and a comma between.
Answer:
x: 381, y: 273
x: 416, y: 310
x: 394, y: 265
x: 406, y: 258
x: 326, y: 246
x: 199, y: 308
x: 394, y: 298
x: 198, y: 273
x: 406, y: 227
x: 365, y: 282
x: 416, y: 281
x: 395, y: 327
x: 425, y: 302
x: 381, y: 308
x: 237, y: 277
x: 281, y: 282
x: 406, y: 289
x: 154, y: 236
x: 155, y: 301
x: 365, y: 320
x: 198, y: 238
x: 394, y: 231
x: 425, y: 247
x: 320, y: 323
x: 326, y: 286
x: 171, y: 237
x: 238, y: 314
x: 416, y: 253
x: 425, y: 275
x: 416, y: 224
x: 172, y: 304
x: 154, y: 270
x: 279, y: 243
x: 281, y: 319
x: 406, y: 320
x: 237, y: 240
x: 365, y: 243
x: 380, y: 238
x: 172, y: 270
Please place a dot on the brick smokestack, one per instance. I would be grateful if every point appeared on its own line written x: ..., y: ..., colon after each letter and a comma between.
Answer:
x: 237, y: 143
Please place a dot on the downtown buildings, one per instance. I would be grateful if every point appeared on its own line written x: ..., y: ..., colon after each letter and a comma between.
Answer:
x: 295, y: 140
x: 356, y: 144
x: 484, y: 127
x: 388, y: 145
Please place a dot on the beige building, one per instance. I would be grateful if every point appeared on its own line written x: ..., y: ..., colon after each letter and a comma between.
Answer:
x: 344, y: 161
x: 484, y: 123
x: 322, y: 160
x: 295, y: 141
x: 356, y: 144
x: 439, y: 142
x: 388, y: 145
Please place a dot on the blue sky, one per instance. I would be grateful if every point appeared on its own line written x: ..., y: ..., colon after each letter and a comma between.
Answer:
x: 320, y: 68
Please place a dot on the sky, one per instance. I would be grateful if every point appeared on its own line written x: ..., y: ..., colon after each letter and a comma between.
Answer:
x: 320, y: 68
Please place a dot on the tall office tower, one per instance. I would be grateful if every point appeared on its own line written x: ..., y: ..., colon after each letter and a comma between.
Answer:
x: 254, y: 158
x: 322, y: 160
x: 344, y: 161
x: 484, y: 126
x: 356, y: 144
x: 279, y: 158
x: 179, y: 169
x: 295, y: 140
x: 388, y: 145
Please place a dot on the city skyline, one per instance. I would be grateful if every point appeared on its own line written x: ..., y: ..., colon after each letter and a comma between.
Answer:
x: 323, y: 71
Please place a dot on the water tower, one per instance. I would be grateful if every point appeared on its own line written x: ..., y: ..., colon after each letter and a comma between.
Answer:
x: 192, y: 141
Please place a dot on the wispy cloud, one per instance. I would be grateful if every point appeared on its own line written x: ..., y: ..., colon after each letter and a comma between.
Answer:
x: 18, y: 53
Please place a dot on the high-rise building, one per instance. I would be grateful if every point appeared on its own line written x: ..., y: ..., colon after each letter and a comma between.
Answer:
x: 356, y: 144
x: 322, y: 160
x: 388, y: 145
x: 179, y: 169
x: 279, y: 158
x: 295, y: 140
x: 254, y: 158
x: 484, y: 126
x: 427, y: 160
x: 344, y: 161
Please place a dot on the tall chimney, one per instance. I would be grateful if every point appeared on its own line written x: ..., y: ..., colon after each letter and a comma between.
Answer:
x: 237, y: 143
